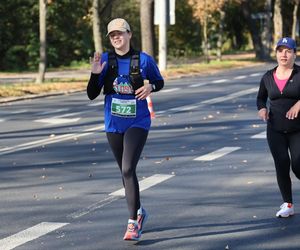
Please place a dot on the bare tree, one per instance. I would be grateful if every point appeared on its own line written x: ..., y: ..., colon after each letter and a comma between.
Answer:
x: 43, y: 41
x: 147, y: 26
x: 296, y: 5
x: 96, y: 27
x: 277, y: 21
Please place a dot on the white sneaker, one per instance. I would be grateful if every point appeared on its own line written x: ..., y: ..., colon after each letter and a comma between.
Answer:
x: 286, y: 209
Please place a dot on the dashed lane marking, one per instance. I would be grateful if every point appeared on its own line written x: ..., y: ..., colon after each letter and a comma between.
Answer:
x: 56, y: 120
x: 216, y: 154
x: 230, y: 96
x: 29, y: 234
x: 185, y: 108
x: 96, y: 104
x: 211, y: 101
x: 54, y: 139
x: 61, y: 119
x: 240, y: 77
x: 13, y: 112
x: 53, y: 111
x: 143, y: 184
x: 198, y: 84
x: 220, y: 81
x: 261, y: 135
x: 169, y: 90
x: 255, y: 74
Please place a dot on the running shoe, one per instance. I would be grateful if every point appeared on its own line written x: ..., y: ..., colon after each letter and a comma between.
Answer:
x: 142, y: 217
x: 132, y: 232
x: 286, y: 209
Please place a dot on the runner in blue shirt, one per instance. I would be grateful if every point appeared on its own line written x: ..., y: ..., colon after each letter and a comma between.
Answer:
x: 121, y: 74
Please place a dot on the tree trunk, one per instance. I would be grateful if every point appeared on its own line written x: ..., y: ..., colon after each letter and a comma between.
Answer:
x: 96, y: 27
x: 277, y: 20
x: 147, y: 26
x: 266, y: 36
x: 220, y: 35
x: 295, y: 19
x: 254, y: 31
x: 205, y: 39
x: 43, y: 41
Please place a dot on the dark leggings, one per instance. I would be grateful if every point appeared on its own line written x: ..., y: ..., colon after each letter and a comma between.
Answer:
x: 127, y: 149
x: 285, y: 149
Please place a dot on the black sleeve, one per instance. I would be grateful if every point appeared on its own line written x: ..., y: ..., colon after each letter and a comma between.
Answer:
x: 262, y: 95
x: 93, y: 89
x: 159, y: 84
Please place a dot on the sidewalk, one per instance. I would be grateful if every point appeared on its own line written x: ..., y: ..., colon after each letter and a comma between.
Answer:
x: 84, y: 74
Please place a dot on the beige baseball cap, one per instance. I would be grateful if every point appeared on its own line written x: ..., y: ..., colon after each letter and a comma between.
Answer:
x: 119, y: 24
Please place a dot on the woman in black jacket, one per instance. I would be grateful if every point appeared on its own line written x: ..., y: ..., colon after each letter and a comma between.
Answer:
x: 281, y: 88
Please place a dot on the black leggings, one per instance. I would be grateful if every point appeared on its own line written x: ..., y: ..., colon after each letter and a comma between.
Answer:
x: 127, y: 149
x: 285, y: 149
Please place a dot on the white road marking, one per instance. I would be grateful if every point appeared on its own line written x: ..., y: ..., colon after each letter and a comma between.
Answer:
x: 19, y: 111
x: 261, y: 135
x: 96, y: 104
x: 205, y: 83
x: 29, y: 234
x: 213, y: 100
x: 93, y: 207
x: 184, y: 108
x: 160, y: 112
x: 2, y: 120
x: 255, y: 74
x: 144, y: 184
x: 70, y: 114
x: 216, y: 154
x: 13, y: 112
x: 220, y: 81
x: 56, y: 120
x: 169, y: 90
x: 240, y: 77
x: 231, y: 96
x: 60, y: 119
x: 198, y: 84
x: 51, y: 140
x: 172, y: 131
x: 53, y: 111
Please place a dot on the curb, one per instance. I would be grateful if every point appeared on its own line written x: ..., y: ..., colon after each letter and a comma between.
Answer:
x: 27, y: 97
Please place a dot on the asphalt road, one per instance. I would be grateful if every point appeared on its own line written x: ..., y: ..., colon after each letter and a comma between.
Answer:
x: 206, y: 173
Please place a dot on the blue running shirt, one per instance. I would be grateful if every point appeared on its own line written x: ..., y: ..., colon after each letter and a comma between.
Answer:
x: 122, y: 109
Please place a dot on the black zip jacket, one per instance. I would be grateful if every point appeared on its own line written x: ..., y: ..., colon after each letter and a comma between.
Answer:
x: 280, y: 102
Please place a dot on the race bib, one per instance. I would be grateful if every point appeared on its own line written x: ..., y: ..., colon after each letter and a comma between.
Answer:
x: 123, y: 108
